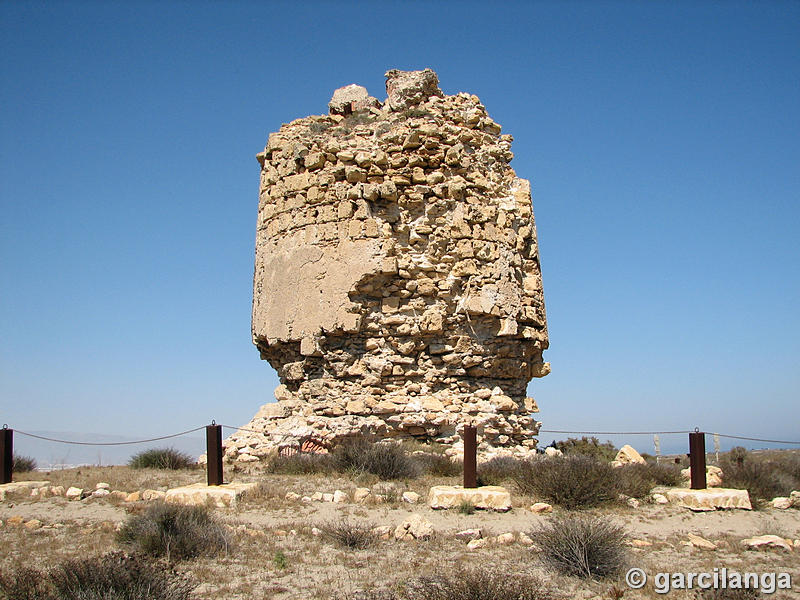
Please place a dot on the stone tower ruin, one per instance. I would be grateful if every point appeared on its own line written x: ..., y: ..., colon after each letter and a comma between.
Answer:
x: 397, y: 287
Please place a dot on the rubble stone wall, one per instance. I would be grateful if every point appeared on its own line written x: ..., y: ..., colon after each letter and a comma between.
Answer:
x: 397, y: 287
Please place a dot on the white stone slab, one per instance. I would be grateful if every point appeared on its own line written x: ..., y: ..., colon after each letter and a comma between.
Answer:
x: 709, y: 498
x: 491, y: 497
x: 201, y: 494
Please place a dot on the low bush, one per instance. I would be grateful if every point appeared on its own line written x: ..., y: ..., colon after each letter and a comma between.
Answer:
x: 497, y: 470
x: 762, y: 480
x: 112, y: 576
x: 438, y: 465
x: 730, y: 594
x: 581, y: 545
x: 22, y: 464
x: 588, y: 446
x: 569, y: 481
x: 386, y: 460
x: 161, y: 458
x: 174, y: 531
x: 637, y: 480
x: 302, y: 463
x: 346, y: 534
x: 477, y: 584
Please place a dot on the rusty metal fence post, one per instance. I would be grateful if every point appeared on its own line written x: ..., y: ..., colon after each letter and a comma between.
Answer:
x: 6, y: 454
x: 470, y: 456
x: 697, y: 459
x: 214, y: 453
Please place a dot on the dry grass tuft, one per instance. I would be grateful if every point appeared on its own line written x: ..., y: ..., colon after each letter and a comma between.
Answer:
x: 176, y: 532
x: 346, y: 534
x: 581, y: 545
x: 114, y: 575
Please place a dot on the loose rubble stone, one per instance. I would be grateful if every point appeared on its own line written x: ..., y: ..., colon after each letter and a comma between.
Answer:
x: 410, y: 497
x: 149, y: 495
x: 637, y: 543
x: 659, y: 499
x: 504, y: 538
x: 14, y: 521
x: 627, y: 455
x: 33, y: 524
x: 415, y: 527
x: 525, y: 539
x: 360, y: 495
x: 781, y: 503
x: 100, y: 493
x: 397, y: 287
x: 699, y: 542
x: 479, y: 543
x: 339, y: 496
x: 133, y: 497
x: 292, y: 496
x: 73, y: 493
x: 491, y: 497
x: 102, y: 486
x: 795, y: 498
x: 469, y: 534
x: 383, y: 532
x: 550, y: 451
x: 541, y: 507
x: 768, y: 541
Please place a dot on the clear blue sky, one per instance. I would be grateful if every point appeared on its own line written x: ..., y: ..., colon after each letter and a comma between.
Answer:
x: 662, y: 140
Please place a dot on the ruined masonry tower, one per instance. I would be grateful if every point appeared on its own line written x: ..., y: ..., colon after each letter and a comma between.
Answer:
x: 397, y: 288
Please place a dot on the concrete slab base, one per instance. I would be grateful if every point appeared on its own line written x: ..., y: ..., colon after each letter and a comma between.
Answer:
x: 201, y: 494
x: 16, y: 487
x: 490, y: 497
x: 708, y: 499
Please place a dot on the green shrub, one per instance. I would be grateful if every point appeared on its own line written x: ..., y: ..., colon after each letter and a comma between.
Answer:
x: 109, y: 577
x: 477, y: 584
x: 737, y: 454
x: 637, y: 480
x: 588, y: 446
x: 175, y: 531
x: 346, y: 534
x: 279, y: 560
x: 386, y: 460
x: 497, y: 470
x: 762, y: 480
x: 465, y: 507
x: 581, y: 545
x: 569, y: 481
x: 22, y: 464
x: 302, y: 463
x: 438, y: 465
x: 161, y: 458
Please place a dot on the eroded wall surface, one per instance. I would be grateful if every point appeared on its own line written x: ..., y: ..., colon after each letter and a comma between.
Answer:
x: 397, y: 287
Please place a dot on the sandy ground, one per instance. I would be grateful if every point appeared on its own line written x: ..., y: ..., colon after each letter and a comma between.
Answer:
x: 317, y: 569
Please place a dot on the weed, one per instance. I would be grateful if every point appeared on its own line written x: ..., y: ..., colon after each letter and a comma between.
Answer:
x: 386, y: 460
x: 465, y: 508
x: 569, y: 481
x: 174, y: 531
x: 477, y: 584
x: 114, y: 575
x: 497, y: 470
x: 161, y: 458
x: 22, y: 464
x: 343, y: 533
x: 280, y: 561
x: 581, y: 545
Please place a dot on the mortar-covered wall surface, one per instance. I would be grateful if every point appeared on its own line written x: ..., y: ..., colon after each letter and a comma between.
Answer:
x: 397, y: 287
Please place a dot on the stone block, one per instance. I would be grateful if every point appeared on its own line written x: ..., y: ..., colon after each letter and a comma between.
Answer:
x: 709, y: 499
x: 489, y: 497
x: 198, y: 494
